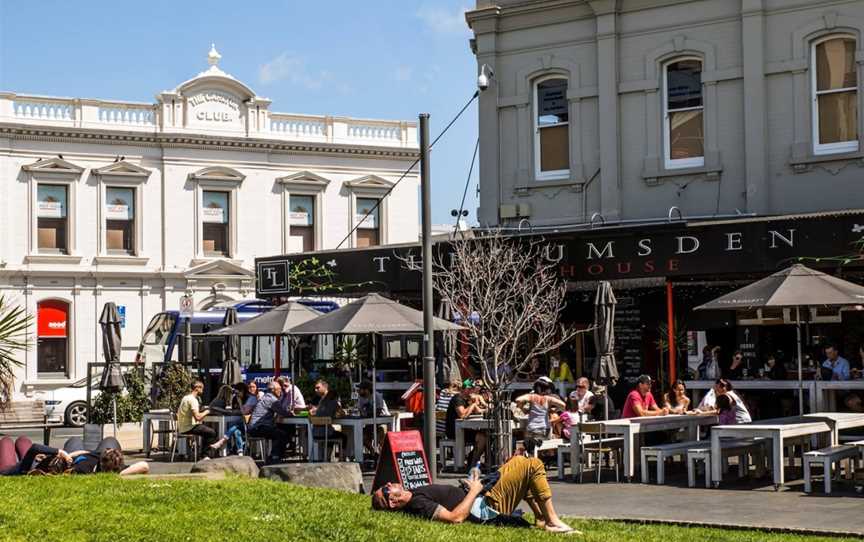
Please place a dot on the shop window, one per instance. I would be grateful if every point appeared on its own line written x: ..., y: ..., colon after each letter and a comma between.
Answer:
x: 215, y: 218
x: 368, y: 229
x: 52, y: 212
x: 120, y: 220
x: 683, y: 108
x: 835, y: 95
x: 302, y: 220
x: 551, y: 129
x: 52, y: 338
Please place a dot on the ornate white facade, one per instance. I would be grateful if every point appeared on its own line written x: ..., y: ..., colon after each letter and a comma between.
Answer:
x: 141, y: 203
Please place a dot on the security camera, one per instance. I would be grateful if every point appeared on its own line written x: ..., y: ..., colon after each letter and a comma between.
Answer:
x: 486, y: 74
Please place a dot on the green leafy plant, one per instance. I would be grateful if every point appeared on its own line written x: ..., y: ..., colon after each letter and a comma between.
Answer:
x: 132, y: 403
x: 662, y: 344
x: 171, y: 385
x: 14, y: 338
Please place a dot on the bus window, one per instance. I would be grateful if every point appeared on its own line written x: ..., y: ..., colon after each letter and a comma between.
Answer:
x: 159, y: 330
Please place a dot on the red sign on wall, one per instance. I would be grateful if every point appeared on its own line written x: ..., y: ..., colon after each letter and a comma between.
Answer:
x: 52, y: 319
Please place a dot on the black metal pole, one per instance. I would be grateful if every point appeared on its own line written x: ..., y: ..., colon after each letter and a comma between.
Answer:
x: 428, y: 331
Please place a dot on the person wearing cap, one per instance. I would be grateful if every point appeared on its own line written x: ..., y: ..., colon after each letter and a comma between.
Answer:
x: 467, y: 403
x: 539, y: 403
x: 640, y: 402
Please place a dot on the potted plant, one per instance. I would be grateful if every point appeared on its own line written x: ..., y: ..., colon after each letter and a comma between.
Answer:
x: 131, y: 404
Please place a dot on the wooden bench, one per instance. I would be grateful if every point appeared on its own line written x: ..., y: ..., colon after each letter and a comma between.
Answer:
x: 739, y: 448
x: 27, y: 415
x: 660, y: 454
x: 827, y: 457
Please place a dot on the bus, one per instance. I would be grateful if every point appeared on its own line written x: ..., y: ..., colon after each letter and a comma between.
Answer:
x: 163, y: 342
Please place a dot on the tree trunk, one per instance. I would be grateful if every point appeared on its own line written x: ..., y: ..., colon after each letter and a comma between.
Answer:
x: 500, y: 441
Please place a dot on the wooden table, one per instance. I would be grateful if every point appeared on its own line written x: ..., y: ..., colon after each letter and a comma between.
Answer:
x: 301, y: 421
x: 355, y: 445
x: 839, y: 421
x: 476, y: 423
x: 630, y: 428
x: 778, y: 430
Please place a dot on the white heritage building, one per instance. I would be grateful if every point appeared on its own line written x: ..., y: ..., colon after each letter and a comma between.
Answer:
x: 141, y: 203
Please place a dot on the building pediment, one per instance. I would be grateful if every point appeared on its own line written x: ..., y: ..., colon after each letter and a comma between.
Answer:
x: 370, y: 182
x: 218, y: 174
x: 54, y: 166
x: 217, y: 269
x: 304, y: 180
x: 123, y: 168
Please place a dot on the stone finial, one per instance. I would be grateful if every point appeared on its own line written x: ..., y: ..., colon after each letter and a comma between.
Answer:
x: 213, y: 56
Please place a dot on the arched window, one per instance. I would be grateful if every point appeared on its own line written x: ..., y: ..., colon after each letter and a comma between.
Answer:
x: 835, y: 95
x: 683, y: 107
x: 551, y: 129
x: 52, y: 352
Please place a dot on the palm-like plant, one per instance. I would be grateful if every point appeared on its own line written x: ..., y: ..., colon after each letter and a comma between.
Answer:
x: 14, y: 338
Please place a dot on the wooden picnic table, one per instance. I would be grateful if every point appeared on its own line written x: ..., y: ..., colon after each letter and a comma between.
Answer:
x: 777, y: 430
x: 839, y: 421
x: 630, y: 428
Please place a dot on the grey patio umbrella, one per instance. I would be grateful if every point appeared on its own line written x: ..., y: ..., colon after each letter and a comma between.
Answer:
x: 112, y: 379
x: 231, y: 371
x: 372, y: 314
x: 796, y: 286
x: 605, y: 368
x: 275, y: 323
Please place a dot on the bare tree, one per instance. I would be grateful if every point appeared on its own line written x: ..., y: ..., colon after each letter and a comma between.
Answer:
x: 510, y: 296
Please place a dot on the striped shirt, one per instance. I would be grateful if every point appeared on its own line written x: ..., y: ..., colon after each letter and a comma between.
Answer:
x: 441, y: 406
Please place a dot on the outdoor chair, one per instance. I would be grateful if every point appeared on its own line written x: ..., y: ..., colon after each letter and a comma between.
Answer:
x: 191, y: 441
x: 157, y: 429
x: 326, y: 422
x: 600, y: 447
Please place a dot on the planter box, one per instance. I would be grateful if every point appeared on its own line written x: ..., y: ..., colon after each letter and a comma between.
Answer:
x: 130, y: 435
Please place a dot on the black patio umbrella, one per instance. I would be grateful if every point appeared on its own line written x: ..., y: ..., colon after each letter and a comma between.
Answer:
x: 231, y: 371
x: 794, y: 287
x: 605, y: 368
x: 112, y: 378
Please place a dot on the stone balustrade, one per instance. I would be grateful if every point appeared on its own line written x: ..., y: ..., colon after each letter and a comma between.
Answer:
x: 143, y: 117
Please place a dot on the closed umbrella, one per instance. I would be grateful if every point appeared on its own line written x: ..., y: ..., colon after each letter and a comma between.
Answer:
x: 231, y: 371
x: 112, y: 379
x: 605, y: 369
x: 794, y: 287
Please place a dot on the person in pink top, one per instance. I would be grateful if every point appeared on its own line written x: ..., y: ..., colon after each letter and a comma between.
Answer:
x: 640, y: 402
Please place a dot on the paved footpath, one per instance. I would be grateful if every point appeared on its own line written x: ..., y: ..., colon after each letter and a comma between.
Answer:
x: 760, y: 507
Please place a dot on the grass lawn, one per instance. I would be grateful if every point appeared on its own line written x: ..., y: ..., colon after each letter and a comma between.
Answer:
x: 112, y: 509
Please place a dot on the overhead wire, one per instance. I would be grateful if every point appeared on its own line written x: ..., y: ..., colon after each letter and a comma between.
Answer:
x: 410, y: 168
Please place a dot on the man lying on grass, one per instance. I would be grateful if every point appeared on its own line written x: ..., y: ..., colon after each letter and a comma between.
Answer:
x: 521, y: 478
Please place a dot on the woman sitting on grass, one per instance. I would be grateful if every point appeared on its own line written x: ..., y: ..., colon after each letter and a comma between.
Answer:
x: 74, y: 459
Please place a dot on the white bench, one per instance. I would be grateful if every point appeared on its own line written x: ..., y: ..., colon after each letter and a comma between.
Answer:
x: 827, y: 457
x: 660, y: 454
x: 739, y: 448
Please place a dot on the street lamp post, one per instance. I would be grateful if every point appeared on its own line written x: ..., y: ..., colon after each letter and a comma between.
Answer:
x: 428, y: 331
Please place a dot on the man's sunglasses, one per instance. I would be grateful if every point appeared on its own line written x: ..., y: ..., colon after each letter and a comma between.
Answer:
x: 385, y: 491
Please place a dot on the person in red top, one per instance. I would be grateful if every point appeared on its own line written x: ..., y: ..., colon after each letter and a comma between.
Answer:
x: 640, y: 402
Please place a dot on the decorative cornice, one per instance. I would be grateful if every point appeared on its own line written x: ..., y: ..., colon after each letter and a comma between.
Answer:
x: 57, y: 134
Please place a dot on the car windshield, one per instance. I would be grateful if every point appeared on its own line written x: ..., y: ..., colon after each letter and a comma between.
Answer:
x: 159, y: 329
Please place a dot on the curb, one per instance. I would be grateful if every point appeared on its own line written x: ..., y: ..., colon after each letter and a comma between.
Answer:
x: 730, y: 526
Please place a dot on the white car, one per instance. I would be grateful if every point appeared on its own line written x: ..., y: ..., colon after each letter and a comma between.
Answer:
x: 68, y: 405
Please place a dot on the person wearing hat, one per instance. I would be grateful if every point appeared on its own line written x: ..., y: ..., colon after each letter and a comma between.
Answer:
x: 539, y: 403
x: 640, y: 402
x: 467, y: 403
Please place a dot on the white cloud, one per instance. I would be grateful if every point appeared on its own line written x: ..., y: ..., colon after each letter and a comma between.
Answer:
x: 440, y: 20
x: 290, y: 67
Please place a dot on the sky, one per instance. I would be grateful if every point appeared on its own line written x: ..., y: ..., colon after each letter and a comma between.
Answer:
x: 389, y: 59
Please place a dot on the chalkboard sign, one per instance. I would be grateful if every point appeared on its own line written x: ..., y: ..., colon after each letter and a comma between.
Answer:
x: 402, y: 461
x: 628, y: 338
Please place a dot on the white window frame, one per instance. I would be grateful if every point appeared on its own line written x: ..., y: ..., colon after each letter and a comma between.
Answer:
x: 841, y: 146
x: 121, y: 175
x: 303, y: 183
x: 375, y: 187
x: 557, y: 174
x: 316, y: 214
x: 217, y: 179
x: 668, y: 161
